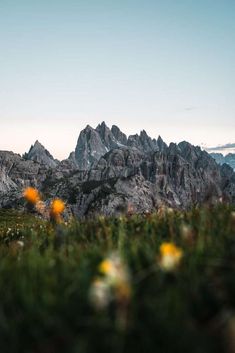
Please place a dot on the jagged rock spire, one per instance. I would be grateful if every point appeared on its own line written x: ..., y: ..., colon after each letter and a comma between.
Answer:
x: 38, y: 153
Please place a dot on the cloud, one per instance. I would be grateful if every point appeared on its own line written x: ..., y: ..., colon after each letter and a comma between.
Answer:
x: 188, y: 109
x: 221, y: 147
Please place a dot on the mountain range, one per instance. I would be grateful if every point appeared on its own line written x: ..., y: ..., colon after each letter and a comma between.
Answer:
x: 109, y: 172
x: 228, y: 159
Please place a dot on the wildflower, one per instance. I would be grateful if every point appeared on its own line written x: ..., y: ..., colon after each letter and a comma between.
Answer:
x: 114, y: 283
x: 56, y: 208
x: 187, y: 233
x: 100, y: 295
x: 170, y: 256
x: 20, y: 243
x: 114, y: 269
x: 106, y: 267
x: 31, y: 195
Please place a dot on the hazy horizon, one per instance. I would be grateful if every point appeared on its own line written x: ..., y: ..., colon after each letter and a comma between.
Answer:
x: 223, y: 149
x: 163, y: 66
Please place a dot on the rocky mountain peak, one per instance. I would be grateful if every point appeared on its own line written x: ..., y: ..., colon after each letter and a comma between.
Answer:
x: 90, y: 148
x: 228, y: 159
x: 38, y: 153
x: 102, y: 127
x: 161, y: 144
x: 95, y: 143
x: 106, y: 136
x: 107, y: 171
x: 148, y: 144
x: 119, y: 135
x: 143, y: 142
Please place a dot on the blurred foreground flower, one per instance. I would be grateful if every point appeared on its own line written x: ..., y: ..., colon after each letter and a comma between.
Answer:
x: 170, y: 256
x: 57, y: 207
x: 187, y: 233
x: 100, y: 293
x: 31, y: 195
x: 114, y: 269
x: 113, y: 284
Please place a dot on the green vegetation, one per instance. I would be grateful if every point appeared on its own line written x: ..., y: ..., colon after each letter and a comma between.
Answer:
x: 47, y: 274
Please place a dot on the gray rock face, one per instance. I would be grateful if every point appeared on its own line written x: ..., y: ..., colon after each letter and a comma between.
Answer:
x: 228, y: 159
x: 180, y: 177
x: 94, y: 143
x: 119, y: 136
x: 90, y: 148
x: 109, y: 173
x: 106, y: 136
x: 162, y: 146
x: 39, y: 154
x: 143, y: 142
x: 16, y: 174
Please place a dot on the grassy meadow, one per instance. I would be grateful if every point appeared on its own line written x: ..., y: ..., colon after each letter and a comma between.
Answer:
x: 162, y: 282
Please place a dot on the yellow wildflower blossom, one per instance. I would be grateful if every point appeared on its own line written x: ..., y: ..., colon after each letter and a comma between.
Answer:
x: 106, y: 267
x: 170, y: 256
x: 113, y: 285
x: 31, y: 195
x: 57, y: 207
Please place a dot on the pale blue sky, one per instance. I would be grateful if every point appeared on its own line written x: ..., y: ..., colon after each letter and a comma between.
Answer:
x: 167, y: 66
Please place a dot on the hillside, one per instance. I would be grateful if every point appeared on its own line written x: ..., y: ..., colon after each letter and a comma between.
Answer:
x: 161, y: 282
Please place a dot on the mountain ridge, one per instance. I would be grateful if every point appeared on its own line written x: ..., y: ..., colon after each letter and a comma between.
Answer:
x: 221, y: 159
x: 109, y: 171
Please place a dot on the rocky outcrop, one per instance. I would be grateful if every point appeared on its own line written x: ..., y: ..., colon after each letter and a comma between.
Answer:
x: 89, y: 149
x: 109, y: 173
x: 228, y: 159
x: 94, y: 143
x: 119, y: 135
x: 125, y: 177
x: 15, y: 174
x: 39, y: 154
x: 106, y: 136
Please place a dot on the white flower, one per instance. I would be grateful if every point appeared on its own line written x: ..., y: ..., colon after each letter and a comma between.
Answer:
x: 100, y: 294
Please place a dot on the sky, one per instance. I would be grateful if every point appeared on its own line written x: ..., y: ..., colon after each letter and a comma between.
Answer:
x: 166, y: 66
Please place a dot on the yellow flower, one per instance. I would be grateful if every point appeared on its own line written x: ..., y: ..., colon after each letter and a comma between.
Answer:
x: 115, y: 281
x: 106, y: 267
x: 57, y: 207
x: 170, y: 256
x: 31, y: 195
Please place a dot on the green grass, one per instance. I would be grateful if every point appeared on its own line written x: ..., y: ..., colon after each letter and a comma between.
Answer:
x: 45, y: 285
